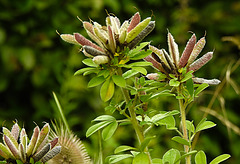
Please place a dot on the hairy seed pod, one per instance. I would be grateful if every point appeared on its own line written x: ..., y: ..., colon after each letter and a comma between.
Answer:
x: 42, y: 152
x: 92, y: 51
x: 173, y: 49
x: 85, y: 42
x: 202, y: 80
x: 201, y: 62
x: 23, y: 139
x: 187, y: 51
x: 134, y: 21
x: 22, y: 152
x: 54, y: 142
x: 112, y: 42
x: 42, y: 136
x: 123, y: 32
x: 10, y: 136
x: 88, y: 27
x: 142, y: 35
x: 169, y: 60
x: 69, y: 38
x: 134, y: 32
x: 33, y: 141
x: 15, y: 131
x: 100, y: 59
x: 115, y: 24
x: 51, y: 154
x: 101, y: 36
x: 196, y: 50
x: 157, y: 65
x: 160, y: 54
x: 11, y: 146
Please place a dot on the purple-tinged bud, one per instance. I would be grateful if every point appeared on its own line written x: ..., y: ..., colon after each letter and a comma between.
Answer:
x: 33, y: 140
x: 112, y: 42
x: 173, y: 49
x: 153, y: 76
x: 134, y: 21
x: 52, y: 153
x: 100, y: 59
x: 22, y: 153
x: 69, y: 38
x: 85, y: 42
x: 160, y: 54
x: 42, y: 152
x: 92, y: 51
x: 54, y: 142
x: 15, y: 131
x: 155, y: 63
x: 187, y: 51
x: 88, y: 27
x: 11, y: 146
x: 196, y: 50
x: 200, y: 62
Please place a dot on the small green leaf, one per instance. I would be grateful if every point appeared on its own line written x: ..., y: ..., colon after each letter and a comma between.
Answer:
x: 181, y: 140
x: 89, y: 62
x: 157, y: 161
x: 140, y: 70
x: 171, y: 156
x: 187, y: 76
x: 168, y: 121
x: 162, y: 93
x: 174, y: 83
x: 145, y: 143
x: 95, y: 81
x: 220, y: 158
x: 119, y: 81
x: 200, y: 158
x: 190, y: 87
x: 161, y: 116
x: 204, y: 125
x: 81, y: 71
x: 141, y: 55
x: 129, y: 74
x: 140, y: 158
x: 200, y: 88
x: 19, y: 162
x: 105, y: 118
x: 139, y: 64
x: 107, y: 90
x: 117, y: 158
x: 109, y: 130
x: 186, y: 154
x: 123, y: 148
x: 96, y: 127
x: 190, y: 126
x: 104, y: 73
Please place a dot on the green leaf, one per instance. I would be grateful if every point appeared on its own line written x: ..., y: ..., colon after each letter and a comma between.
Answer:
x: 181, y: 140
x: 129, y: 74
x: 203, y: 124
x: 107, y: 90
x: 95, y: 81
x: 140, y: 64
x: 81, y: 71
x: 3, y: 162
x: 168, y: 121
x: 140, y: 70
x: 117, y: 158
x: 171, y: 156
x: 141, y: 55
x: 96, y: 127
x: 105, y: 118
x: 109, y: 130
x: 174, y: 83
x: 186, y: 154
x: 161, y: 116
x: 138, y: 49
x: 104, y: 73
x: 190, y: 87
x: 19, y: 162
x: 220, y: 158
x: 123, y: 148
x: 200, y: 158
x: 157, y: 161
x: 145, y: 143
x: 140, y: 158
x: 89, y: 62
x: 187, y: 76
x: 162, y: 93
x: 200, y: 88
x: 190, y: 126
x: 119, y: 81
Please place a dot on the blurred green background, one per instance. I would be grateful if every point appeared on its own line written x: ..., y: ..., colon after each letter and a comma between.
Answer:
x: 34, y: 61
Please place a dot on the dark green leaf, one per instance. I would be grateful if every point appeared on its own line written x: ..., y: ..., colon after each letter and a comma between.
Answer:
x: 123, y: 148
x: 220, y: 158
x: 109, y: 130
x: 190, y: 87
x: 119, y: 80
x: 200, y: 158
x: 181, y: 140
x: 107, y: 90
x: 95, y: 81
x: 140, y: 158
x: 96, y: 127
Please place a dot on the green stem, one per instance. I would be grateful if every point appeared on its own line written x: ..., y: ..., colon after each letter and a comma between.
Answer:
x: 133, y: 118
x: 184, y: 126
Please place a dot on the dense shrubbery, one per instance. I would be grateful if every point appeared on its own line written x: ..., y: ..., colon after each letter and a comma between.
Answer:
x: 34, y: 62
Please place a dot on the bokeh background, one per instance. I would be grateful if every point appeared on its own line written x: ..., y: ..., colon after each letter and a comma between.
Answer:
x: 34, y: 61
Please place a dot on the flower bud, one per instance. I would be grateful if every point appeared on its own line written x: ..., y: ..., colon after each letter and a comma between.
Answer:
x: 100, y: 59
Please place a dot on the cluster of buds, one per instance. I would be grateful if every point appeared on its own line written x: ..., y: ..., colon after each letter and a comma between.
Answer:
x: 171, y: 64
x: 111, y: 39
x: 16, y: 145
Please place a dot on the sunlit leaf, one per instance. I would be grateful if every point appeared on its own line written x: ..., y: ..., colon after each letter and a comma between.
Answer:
x: 117, y: 158
x: 203, y: 124
x: 96, y: 127
x: 129, y: 74
x: 104, y: 118
x: 171, y: 156
x: 140, y: 70
x: 107, y: 90
x: 181, y: 140
x: 220, y: 159
x: 109, y: 130
x: 123, y: 148
x: 174, y: 83
x: 89, y: 62
x: 95, y: 81
x: 200, y: 158
x: 200, y: 88
x: 140, y: 158
x: 119, y: 80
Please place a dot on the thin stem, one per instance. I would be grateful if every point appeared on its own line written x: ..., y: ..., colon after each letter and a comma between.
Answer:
x: 184, y: 126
